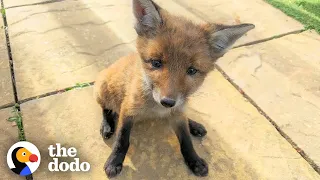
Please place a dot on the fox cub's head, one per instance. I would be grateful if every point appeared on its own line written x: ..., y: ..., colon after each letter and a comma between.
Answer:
x: 176, y: 53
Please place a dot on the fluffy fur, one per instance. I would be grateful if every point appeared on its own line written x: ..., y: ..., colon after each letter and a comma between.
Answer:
x: 132, y: 88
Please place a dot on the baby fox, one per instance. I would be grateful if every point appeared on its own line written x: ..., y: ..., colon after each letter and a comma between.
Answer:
x: 174, y: 56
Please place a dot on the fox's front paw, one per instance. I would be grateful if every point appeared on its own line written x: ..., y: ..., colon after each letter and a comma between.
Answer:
x: 106, y: 131
x: 199, y: 167
x: 112, y: 168
x: 197, y: 129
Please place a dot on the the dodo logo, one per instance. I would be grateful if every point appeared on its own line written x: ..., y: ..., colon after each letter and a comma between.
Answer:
x: 23, y: 158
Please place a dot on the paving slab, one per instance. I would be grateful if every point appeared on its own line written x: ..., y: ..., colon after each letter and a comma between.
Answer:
x: 240, y: 144
x: 57, y: 45
x: 6, y: 92
x: 268, y: 20
x: 283, y: 77
x: 8, y: 137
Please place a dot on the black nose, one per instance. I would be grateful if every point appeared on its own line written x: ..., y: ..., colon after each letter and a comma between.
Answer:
x: 166, y: 102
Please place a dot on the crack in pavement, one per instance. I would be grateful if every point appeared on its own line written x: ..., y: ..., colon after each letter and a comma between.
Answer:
x: 273, y: 123
x: 61, y: 27
x: 20, y: 127
x: 305, y: 134
x: 196, y: 12
x: 270, y: 38
x: 257, y: 68
x: 38, y: 3
x: 104, y: 51
x: 238, y: 58
x: 53, y: 11
x: 6, y: 106
x: 299, y: 96
x: 7, y: 39
x: 279, y: 157
x: 82, y: 67
x: 53, y: 93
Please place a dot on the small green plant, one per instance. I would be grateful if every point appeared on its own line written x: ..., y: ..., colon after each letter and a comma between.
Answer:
x: 82, y: 85
x: 17, y: 118
x: 69, y: 88
x: 3, y: 11
x: 78, y: 86
x: 276, y: 37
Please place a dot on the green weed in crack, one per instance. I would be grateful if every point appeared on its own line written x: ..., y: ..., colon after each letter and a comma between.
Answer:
x: 17, y: 118
x: 78, y: 86
x: 82, y: 85
x: 3, y: 11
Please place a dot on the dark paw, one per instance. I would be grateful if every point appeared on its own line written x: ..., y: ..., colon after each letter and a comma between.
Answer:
x: 106, y: 131
x: 199, y: 167
x: 197, y: 129
x: 112, y: 169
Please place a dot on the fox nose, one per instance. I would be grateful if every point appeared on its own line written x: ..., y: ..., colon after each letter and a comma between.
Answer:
x: 167, y: 102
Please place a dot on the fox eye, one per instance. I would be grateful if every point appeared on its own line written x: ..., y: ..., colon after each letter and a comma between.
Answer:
x: 156, y: 64
x: 191, y: 71
x: 24, y: 154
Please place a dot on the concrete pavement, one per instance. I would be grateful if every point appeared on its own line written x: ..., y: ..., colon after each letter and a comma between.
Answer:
x: 282, y: 76
x: 5, y: 77
x: 65, y: 43
x: 56, y: 44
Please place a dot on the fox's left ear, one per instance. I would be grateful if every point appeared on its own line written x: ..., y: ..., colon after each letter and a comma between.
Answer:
x: 223, y: 37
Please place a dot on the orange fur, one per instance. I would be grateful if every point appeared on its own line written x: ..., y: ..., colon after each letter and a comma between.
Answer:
x: 180, y: 44
x: 174, y: 57
x: 132, y: 86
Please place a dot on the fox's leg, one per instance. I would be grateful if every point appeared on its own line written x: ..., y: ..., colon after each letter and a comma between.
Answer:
x: 196, y: 164
x: 196, y: 129
x: 113, y: 166
x: 108, y: 123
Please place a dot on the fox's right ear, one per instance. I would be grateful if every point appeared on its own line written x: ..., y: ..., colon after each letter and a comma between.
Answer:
x: 147, y: 17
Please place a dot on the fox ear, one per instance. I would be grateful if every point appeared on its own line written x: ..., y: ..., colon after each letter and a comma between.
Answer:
x: 224, y: 37
x: 147, y: 17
